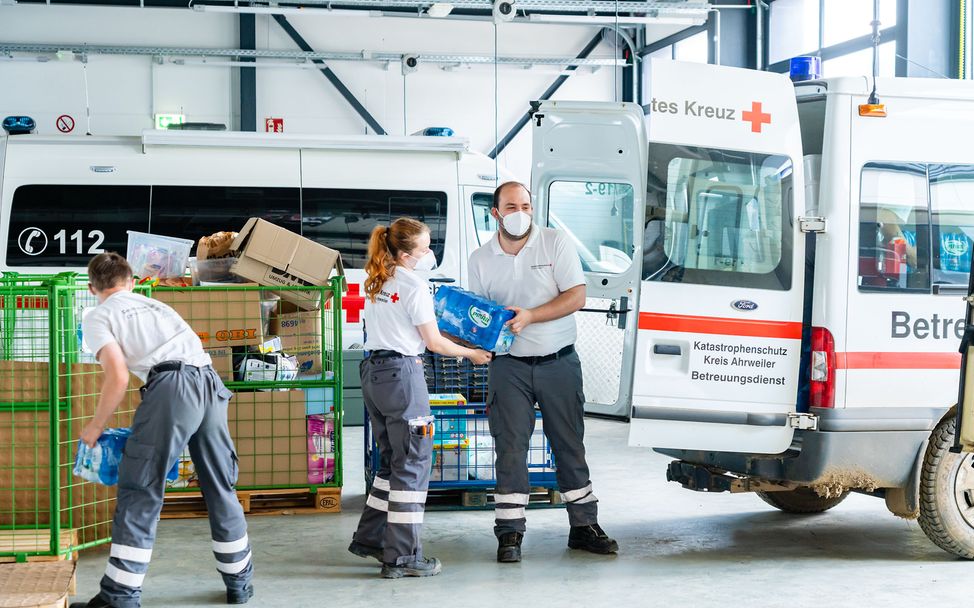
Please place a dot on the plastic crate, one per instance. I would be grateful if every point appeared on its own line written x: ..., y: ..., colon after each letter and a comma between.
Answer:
x: 463, y: 448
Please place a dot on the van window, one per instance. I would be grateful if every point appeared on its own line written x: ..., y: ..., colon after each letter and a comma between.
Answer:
x: 718, y: 217
x: 952, y: 209
x: 65, y: 225
x: 343, y: 219
x: 894, y: 228
x: 597, y: 217
x: 484, y: 224
x: 191, y: 212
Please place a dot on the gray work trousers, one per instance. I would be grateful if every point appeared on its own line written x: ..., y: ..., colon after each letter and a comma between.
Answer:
x: 179, y: 407
x: 394, y: 390
x: 514, y: 386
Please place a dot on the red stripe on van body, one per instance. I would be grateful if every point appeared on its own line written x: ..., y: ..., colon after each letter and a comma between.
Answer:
x: 877, y: 360
x: 791, y: 330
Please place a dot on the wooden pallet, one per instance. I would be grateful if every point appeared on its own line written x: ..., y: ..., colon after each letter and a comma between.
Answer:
x: 37, y: 584
x: 298, y: 501
x: 34, y: 541
x: 449, y: 500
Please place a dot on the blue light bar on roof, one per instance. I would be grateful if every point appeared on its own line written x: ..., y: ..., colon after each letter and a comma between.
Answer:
x: 19, y: 125
x: 805, y: 68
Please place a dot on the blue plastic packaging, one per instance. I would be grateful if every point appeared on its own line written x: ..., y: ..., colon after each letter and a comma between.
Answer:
x: 100, y: 463
x: 473, y: 319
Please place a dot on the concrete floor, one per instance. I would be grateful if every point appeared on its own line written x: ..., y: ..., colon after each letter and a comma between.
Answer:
x: 676, y: 548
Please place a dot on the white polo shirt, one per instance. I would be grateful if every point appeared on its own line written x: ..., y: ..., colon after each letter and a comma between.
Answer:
x: 148, y: 332
x: 403, y: 303
x: 545, y: 267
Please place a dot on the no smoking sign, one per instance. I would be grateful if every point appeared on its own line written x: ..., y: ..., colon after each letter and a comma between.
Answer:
x: 64, y: 123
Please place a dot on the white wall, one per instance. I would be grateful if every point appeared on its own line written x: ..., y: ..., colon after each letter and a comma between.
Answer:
x: 124, y: 91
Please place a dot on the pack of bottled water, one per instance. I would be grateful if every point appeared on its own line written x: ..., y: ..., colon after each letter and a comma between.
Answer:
x: 100, y: 463
x: 473, y: 319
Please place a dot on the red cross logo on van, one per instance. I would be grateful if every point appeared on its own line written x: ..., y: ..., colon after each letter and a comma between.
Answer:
x: 756, y: 117
x: 353, y: 303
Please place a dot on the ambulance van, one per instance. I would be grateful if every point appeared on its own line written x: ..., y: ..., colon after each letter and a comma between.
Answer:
x: 775, y: 273
x: 64, y: 199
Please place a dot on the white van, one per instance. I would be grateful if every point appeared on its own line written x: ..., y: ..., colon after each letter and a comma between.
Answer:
x: 64, y: 199
x: 774, y: 281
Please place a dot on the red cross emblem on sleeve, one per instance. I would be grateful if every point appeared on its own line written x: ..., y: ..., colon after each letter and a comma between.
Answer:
x: 395, y: 297
x: 756, y: 117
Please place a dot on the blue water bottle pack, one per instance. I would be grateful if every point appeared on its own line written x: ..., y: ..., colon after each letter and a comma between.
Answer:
x: 100, y: 463
x: 473, y: 319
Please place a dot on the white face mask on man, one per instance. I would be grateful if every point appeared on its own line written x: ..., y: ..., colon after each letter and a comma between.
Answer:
x: 426, y: 262
x: 517, y: 224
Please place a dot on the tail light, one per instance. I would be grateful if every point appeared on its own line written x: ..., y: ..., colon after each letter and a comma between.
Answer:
x: 822, y: 391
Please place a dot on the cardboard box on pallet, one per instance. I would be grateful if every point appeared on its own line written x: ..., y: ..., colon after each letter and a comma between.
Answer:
x: 221, y: 318
x: 300, y: 333
x: 25, y: 464
x: 269, y: 431
x: 222, y: 362
x: 273, y: 256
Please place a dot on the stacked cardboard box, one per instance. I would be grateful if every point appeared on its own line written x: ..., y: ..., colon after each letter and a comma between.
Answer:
x: 25, y: 459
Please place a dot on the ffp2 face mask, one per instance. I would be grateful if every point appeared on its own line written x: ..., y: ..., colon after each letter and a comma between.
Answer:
x: 517, y: 224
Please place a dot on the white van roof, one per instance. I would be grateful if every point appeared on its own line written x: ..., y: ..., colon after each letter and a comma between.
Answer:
x: 474, y: 168
x: 239, y: 139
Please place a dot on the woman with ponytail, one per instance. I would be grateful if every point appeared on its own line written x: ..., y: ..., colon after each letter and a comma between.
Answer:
x: 400, y: 325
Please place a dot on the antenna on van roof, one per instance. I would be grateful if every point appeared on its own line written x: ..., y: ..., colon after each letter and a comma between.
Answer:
x: 872, y: 107
x: 873, y: 99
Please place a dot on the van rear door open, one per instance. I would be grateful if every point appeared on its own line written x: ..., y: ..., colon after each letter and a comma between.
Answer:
x: 588, y: 179
x: 721, y: 306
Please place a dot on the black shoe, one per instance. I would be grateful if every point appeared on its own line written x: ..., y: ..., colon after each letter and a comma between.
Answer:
x: 240, y: 596
x: 357, y: 548
x: 429, y: 566
x: 509, y: 547
x: 96, y: 602
x: 591, y: 539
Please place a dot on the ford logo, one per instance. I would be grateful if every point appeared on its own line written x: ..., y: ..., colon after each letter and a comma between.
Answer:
x: 744, y: 305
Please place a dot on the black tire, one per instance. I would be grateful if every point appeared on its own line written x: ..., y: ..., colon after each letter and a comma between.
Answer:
x: 802, y: 501
x: 947, y: 494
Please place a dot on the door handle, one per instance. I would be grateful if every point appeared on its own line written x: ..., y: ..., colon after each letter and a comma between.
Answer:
x: 613, y: 312
x: 667, y: 349
x: 441, y: 280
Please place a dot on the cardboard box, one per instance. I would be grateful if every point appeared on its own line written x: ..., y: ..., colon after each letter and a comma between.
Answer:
x: 25, y: 481
x: 273, y: 256
x: 270, y: 434
x: 450, y: 462
x: 220, y: 317
x: 222, y: 362
x: 300, y: 334
x: 440, y: 399
x: 319, y: 401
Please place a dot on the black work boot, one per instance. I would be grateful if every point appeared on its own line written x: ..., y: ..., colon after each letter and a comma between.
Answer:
x: 240, y: 596
x: 429, y: 566
x: 96, y: 602
x: 509, y: 547
x: 357, y: 548
x: 591, y: 539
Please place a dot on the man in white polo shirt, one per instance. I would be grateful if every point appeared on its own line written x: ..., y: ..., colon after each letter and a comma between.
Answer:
x: 184, y: 402
x: 536, y: 272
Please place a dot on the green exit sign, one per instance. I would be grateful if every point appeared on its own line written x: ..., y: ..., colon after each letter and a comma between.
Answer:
x: 164, y: 120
